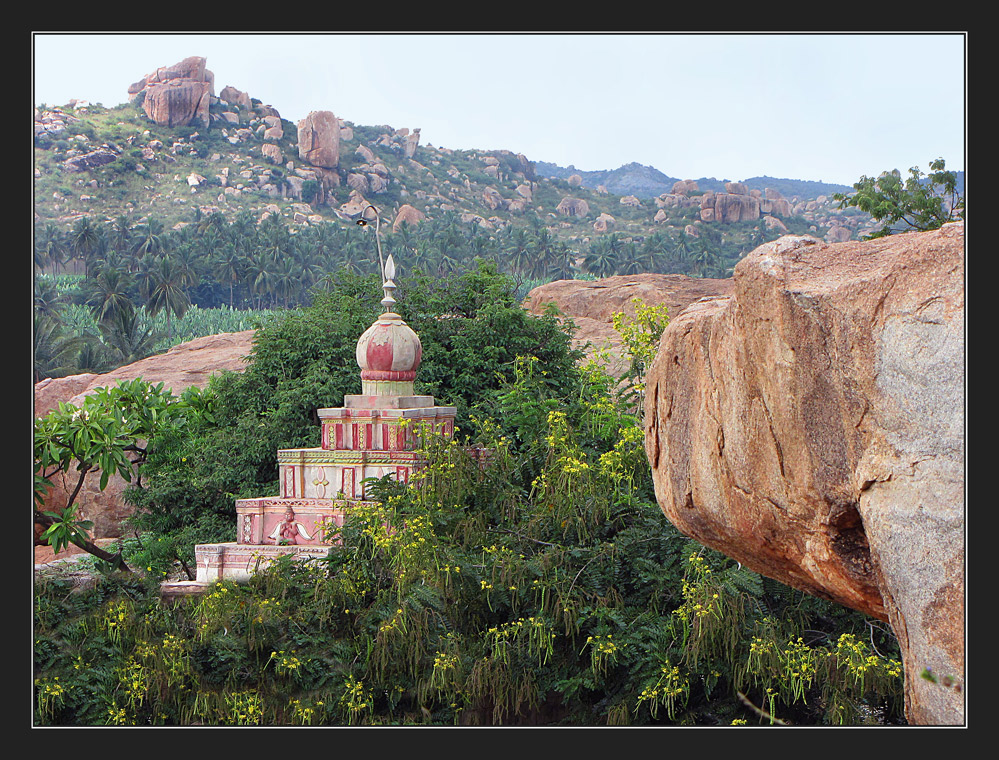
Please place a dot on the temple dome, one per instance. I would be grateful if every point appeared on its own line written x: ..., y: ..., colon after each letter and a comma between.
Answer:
x: 389, y: 350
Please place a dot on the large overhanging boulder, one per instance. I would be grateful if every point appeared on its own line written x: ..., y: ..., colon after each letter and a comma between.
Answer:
x: 811, y: 426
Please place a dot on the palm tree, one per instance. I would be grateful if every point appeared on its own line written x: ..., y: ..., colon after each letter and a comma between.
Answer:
x: 423, y: 257
x: 51, y: 248
x: 109, y: 296
x: 167, y: 293
x: 519, y: 251
x: 563, y: 265
x: 126, y: 340
x: 85, y: 241
x: 228, y: 267
x: 600, y: 259
x: 187, y: 260
x: 55, y: 350
x: 149, y: 238
x: 120, y: 236
x: 260, y: 275
x: 145, y: 277
x: 49, y: 302
x: 275, y: 238
x: 705, y: 258
x: 286, y: 282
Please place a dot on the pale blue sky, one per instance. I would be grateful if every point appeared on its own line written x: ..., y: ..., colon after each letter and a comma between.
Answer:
x: 816, y: 106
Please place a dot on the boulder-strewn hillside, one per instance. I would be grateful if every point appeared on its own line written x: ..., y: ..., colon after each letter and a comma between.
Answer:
x: 811, y: 426
x: 180, y: 148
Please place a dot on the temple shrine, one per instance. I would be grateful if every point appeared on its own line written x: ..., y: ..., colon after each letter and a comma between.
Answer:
x: 375, y: 433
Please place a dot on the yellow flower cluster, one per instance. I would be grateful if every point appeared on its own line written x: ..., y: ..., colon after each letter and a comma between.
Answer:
x: 173, y: 645
x: 285, y: 663
x: 859, y: 662
x: 245, y: 708
x: 302, y: 714
x: 50, y: 688
x: 397, y: 621
x: 117, y: 716
x: 535, y: 631
x: 114, y: 620
x: 134, y: 681
x: 355, y: 699
x: 670, y: 690
x: 444, y: 661
x: 603, y: 644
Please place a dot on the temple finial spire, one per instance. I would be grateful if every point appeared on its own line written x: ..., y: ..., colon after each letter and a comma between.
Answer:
x: 388, y: 285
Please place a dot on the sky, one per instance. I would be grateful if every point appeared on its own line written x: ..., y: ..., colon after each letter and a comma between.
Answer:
x: 828, y: 107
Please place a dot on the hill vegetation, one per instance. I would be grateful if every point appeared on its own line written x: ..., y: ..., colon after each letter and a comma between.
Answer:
x: 138, y: 223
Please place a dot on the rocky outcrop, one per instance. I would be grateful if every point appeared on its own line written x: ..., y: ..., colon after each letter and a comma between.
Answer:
x: 187, y: 364
x: 235, y: 97
x: 410, y: 144
x: 319, y: 139
x: 728, y: 208
x: 603, y: 223
x: 601, y: 299
x: 810, y: 425
x: 684, y: 187
x: 592, y: 304
x: 491, y: 198
x: 89, y: 160
x: 573, y: 207
x: 407, y: 215
x: 178, y: 95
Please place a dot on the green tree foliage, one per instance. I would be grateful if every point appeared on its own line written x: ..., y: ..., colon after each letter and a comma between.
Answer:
x: 471, y: 327
x: 541, y: 586
x: 106, y: 434
x: 916, y: 203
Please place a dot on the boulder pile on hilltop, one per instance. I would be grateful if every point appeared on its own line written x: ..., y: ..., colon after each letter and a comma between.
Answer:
x: 178, y: 95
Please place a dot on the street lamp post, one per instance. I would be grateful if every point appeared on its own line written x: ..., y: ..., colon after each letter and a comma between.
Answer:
x: 386, y: 268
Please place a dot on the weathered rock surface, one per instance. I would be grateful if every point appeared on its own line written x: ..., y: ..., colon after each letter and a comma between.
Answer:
x: 728, y: 208
x: 90, y: 160
x: 810, y: 425
x: 184, y: 365
x: 319, y: 139
x: 178, y: 95
x: 591, y: 305
x: 235, y: 97
x: 573, y: 207
x: 407, y: 215
x: 601, y: 299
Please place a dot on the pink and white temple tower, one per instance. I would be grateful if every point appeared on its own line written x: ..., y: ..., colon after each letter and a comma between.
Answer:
x: 375, y: 433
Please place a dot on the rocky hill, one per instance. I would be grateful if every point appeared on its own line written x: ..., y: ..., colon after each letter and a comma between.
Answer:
x: 647, y: 182
x: 181, y: 146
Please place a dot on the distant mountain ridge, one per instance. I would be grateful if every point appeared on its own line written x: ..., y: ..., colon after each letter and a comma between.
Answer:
x: 648, y: 182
